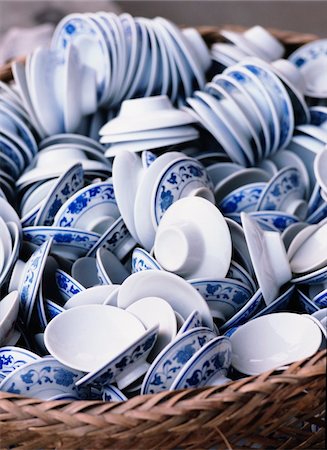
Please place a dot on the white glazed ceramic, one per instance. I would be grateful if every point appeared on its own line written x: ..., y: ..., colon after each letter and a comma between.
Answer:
x: 96, y: 295
x: 156, y: 311
x: 87, y: 336
x: 9, y: 307
x: 188, y: 241
x: 312, y: 254
x: 85, y: 271
x: 268, y: 257
x: 127, y: 366
x: 182, y: 297
x: 272, y: 341
x: 320, y: 169
x: 127, y: 172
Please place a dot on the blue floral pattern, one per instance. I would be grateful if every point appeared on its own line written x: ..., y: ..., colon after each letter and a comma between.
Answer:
x: 226, y: 296
x: 255, y: 304
x: 11, y: 359
x: 173, y: 185
x: 69, y: 183
x: 215, y: 359
x: 286, y: 182
x: 277, y: 219
x: 281, y: 100
x: 82, y: 240
x: 242, y: 199
x: 164, y: 370
x: 116, y: 368
x: 32, y: 278
x: 95, y: 194
x: 141, y: 260
x: 193, y: 321
x: 113, y: 238
x: 67, y: 285
x: 42, y: 375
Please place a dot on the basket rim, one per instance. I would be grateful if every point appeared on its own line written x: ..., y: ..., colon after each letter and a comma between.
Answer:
x: 306, y: 368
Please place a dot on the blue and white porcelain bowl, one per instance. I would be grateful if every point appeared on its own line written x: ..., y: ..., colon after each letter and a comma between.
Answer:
x: 42, y: 378
x: 112, y: 394
x: 31, y: 279
x: 13, y: 357
x: 186, y: 177
x: 69, y: 243
x: 193, y: 321
x: 285, y: 192
x: 255, y: 304
x: 281, y: 303
x: 88, y: 208
x: 67, y: 286
x: 171, y: 360
x: 117, y: 239
x: 207, y: 367
x: 224, y: 296
x: 142, y: 260
x: 316, y: 277
x: 65, y: 186
x: 320, y: 299
x: 305, y: 304
x: 126, y: 367
x: 238, y: 273
x: 277, y: 219
x: 244, y: 198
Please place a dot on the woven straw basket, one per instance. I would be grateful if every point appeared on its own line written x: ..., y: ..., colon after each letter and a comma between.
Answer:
x: 276, y: 410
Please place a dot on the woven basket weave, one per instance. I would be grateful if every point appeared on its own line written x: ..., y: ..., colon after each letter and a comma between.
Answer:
x: 276, y: 410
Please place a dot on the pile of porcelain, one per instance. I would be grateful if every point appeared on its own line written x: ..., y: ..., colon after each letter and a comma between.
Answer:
x: 188, y: 251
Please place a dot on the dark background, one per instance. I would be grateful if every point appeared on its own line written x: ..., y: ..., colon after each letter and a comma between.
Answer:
x: 305, y: 16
